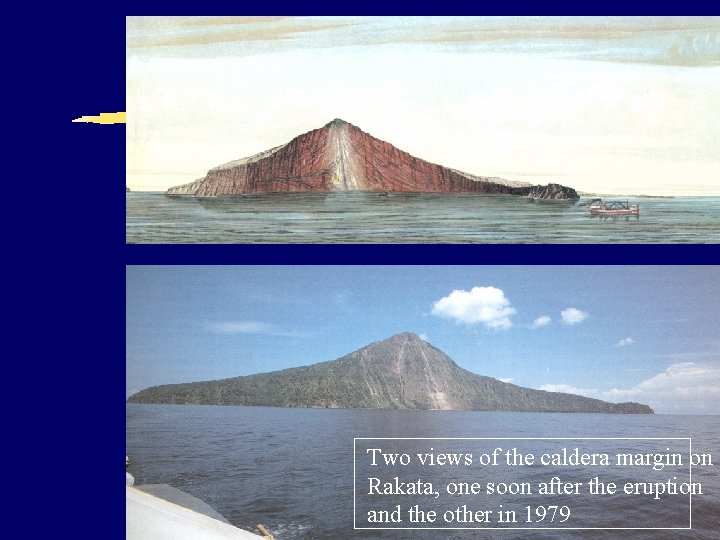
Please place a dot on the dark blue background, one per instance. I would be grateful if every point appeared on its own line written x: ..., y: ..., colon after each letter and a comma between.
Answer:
x: 64, y: 403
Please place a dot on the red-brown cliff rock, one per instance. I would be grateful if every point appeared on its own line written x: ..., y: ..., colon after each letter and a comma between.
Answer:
x: 340, y: 157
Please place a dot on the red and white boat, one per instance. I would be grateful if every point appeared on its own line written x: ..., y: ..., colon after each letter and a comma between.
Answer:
x: 613, y: 208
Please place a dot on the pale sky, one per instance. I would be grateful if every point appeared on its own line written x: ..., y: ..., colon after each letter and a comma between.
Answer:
x: 625, y: 105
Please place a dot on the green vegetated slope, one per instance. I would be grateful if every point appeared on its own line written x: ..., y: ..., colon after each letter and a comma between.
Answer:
x: 401, y: 372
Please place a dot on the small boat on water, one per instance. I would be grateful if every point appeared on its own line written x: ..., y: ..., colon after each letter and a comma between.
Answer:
x: 613, y: 208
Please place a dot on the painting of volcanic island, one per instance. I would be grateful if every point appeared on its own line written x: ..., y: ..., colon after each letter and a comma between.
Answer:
x: 340, y: 157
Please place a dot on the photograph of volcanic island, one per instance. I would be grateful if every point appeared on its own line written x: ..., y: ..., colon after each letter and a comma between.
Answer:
x: 400, y: 372
x: 257, y: 397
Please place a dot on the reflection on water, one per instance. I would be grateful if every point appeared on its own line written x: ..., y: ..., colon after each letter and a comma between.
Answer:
x: 332, y: 218
x: 292, y: 469
x: 615, y: 218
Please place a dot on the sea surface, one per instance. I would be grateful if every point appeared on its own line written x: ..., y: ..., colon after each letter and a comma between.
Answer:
x: 293, y: 469
x: 347, y: 218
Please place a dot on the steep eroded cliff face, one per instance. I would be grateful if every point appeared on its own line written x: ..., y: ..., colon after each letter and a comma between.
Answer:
x: 340, y: 157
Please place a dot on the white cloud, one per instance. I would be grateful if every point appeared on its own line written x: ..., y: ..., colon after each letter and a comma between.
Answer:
x: 507, y: 379
x: 625, y: 342
x: 573, y: 315
x: 251, y: 327
x: 682, y: 387
x: 568, y: 389
x: 486, y: 305
x: 685, y: 387
x: 424, y: 337
x: 542, y: 320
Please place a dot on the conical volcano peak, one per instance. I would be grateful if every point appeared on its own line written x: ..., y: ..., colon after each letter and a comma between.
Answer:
x: 337, y: 122
x: 405, y: 354
x: 342, y: 157
x: 399, y: 372
x: 400, y: 341
x: 404, y: 337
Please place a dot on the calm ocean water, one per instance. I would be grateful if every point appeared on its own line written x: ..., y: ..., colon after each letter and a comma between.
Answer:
x: 346, y: 218
x: 292, y: 469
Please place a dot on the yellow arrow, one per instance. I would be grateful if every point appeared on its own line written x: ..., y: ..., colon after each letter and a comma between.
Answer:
x: 103, y: 118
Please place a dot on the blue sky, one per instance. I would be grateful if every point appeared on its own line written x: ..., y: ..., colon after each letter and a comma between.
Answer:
x: 619, y: 333
x: 604, y: 104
